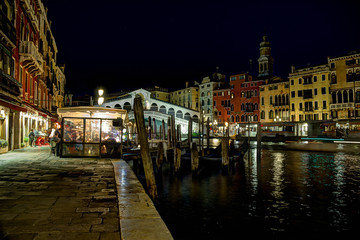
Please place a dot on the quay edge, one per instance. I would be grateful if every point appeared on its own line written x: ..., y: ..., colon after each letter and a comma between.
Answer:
x: 139, y: 218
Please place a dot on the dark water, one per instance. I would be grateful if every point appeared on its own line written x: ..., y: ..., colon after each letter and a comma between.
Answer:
x: 284, y: 195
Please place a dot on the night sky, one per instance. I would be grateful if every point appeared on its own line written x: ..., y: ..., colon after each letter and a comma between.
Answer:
x: 124, y: 45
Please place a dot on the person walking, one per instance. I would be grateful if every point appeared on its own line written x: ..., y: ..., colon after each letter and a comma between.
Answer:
x: 31, y: 137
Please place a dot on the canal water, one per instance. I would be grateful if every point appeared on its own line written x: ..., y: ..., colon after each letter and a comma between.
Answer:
x: 282, y: 195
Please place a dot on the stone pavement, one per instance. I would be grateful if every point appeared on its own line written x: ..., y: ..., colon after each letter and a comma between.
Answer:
x: 45, y: 197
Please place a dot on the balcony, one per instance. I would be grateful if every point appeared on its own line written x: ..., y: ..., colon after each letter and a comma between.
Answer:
x: 337, y: 106
x: 7, y: 30
x: 31, y: 13
x: 9, y: 84
x: 30, y: 57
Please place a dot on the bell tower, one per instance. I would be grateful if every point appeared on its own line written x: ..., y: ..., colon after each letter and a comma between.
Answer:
x: 265, y: 60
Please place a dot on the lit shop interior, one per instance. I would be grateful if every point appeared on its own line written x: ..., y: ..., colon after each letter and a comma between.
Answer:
x: 92, y: 131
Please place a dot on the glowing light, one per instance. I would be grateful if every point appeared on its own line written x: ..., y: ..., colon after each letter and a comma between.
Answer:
x: 100, y: 100
x: 100, y: 92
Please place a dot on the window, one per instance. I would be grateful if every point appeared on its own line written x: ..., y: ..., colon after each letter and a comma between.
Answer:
x: 323, y: 77
x: 324, y: 105
x: 315, y: 91
x: 332, y: 65
x: 292, y: 94
x: 323, y: 90
x: 315, y: 78
x: 292, y: 82
x: 271, y: 100
x: 300, y: 93
x: 316, y: 107
x: 299, y: 80
x: 300, y: 106
x: 292, y: 107
x: 333, y: 78
x: 262, y: 101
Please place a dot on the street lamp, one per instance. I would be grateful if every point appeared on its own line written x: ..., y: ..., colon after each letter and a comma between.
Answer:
x: 100, y: 98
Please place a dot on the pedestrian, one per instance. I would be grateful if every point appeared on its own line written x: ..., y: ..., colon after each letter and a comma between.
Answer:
x: 55, y: 140
x: 58, y: 135
x: 31, y: 137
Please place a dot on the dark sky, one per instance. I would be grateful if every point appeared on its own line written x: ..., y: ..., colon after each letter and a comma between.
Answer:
x: 130, y: 44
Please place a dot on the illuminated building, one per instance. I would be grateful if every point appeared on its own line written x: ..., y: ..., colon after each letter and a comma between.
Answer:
x: 206, y: 92
x: 33, y: 83
x: 187, y: 97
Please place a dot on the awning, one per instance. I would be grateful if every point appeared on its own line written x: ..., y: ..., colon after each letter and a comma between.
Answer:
x: 12, y: 106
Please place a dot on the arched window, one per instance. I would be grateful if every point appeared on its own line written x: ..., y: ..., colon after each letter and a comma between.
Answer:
x: 237, y: 118
x: 208, y: 102
x: 202, y: 94
x: 261, y: 67
x: 255, y: 93
x: 333, y: 95
x: 154, y: 107
x: 232, y: 107
x: 179, y: 114
x: 283, y: 100
x: 127, y: 106
x: 117, y: 106
x: 345, y: 96
x: 242, y: 118
x: 339, y: 95
x: 162, y: 109
x: 351, y: 96
x: 171, y: 112
x: 242, y: 107
x: 255, y: 106
x: 271, y: 100
x: 255, y: 118
x: 287, y: 99
x: 271, y: 114
x: 187, y: 116
x: 232, y: 118
x: 262, y: 115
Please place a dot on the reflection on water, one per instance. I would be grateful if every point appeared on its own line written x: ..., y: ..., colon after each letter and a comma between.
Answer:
x: 285, y: 195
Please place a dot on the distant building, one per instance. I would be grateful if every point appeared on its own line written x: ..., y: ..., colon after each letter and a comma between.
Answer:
x: 206, y: 88
x: 309, y: 93
x: 345, y: 86
x: 187, y: 97
x: 160, y: 93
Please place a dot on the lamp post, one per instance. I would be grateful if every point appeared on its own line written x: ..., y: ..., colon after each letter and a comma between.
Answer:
x: 100, y: 98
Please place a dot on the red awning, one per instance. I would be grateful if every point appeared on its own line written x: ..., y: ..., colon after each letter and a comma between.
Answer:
x: 12, y: 106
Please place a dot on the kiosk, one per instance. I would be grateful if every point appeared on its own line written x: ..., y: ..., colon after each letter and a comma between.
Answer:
x: 92, y: 131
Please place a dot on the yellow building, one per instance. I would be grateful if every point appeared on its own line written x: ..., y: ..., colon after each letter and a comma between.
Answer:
x: 309, y: 93
x: 274, y: 100
x: 345, y: 86
x: 160, y: 93
x: 187, y: 97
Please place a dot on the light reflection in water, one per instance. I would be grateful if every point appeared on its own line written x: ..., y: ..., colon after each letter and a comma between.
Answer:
x: 285, y: 194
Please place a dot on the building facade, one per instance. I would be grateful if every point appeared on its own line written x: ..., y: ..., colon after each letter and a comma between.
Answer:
x: 206, y: 92
x: 33, y: 83
x: 187, y: 97
x: 274, y: 100
x: 345, y: 86
x: 309, y: 93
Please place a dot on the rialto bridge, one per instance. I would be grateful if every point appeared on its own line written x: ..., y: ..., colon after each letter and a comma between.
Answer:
x: 156, y: 109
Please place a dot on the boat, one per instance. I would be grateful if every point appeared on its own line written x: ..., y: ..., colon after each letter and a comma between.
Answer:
x: 316, y: 144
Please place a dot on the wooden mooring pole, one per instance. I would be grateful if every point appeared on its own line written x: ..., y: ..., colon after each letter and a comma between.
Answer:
x: 194, y: 158
x: 144, y: 148
x: 225, y: 152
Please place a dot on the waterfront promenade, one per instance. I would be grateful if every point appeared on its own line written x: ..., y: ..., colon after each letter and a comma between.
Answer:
x: 47, y: 197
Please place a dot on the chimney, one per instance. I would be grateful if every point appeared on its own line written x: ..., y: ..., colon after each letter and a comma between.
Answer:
x: 186, y: 84
x: 292, y: 68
